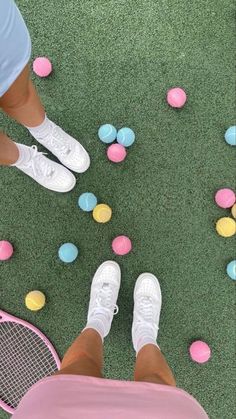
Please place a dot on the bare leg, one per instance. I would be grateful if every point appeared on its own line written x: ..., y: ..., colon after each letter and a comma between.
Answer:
x: 22, y: 103
x: 85, y: 356
x: 152, y: 367
x: 9, y: 153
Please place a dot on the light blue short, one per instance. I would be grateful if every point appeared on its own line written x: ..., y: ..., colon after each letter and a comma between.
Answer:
x: 15, y: 44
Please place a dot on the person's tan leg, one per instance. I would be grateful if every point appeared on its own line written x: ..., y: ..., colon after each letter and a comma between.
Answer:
x: 9, y: 152
x: 22, y: 103
x: 151, y: 366
x: 85, y: 356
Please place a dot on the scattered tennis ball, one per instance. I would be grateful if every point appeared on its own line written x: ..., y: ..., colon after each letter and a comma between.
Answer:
x: 126, y: 137
x: 102, y: 213
x: 200, y: 352
x: 231, y: 269
x: 107, y: 133
x: 121, y: 245
x: 87, y: 201
x: 6, y: 250
x: 176, y: 97
x: 68, y: 252
x: 230, y: 135
x: 225, y: 198
x: 226, y: 227
x: 116, y: 153
x: 35, y: 300
x: 233, y: 210
x: 42, y: 66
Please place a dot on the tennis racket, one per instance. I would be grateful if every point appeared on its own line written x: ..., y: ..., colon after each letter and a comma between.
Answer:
x: 26, y: 356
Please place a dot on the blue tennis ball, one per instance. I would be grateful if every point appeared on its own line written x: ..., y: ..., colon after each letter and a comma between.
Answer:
x: 230, y: 135
x: 126, y: 137
x: 87, y: 201
x: 107, y: 133
x: 68, y: 252
x: 231, y: 269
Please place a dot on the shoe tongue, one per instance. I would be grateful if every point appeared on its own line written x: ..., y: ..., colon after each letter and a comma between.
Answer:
x: 145, y: 299
x: 68, y: 151
x: 104, y: 295
x: 28, y: 154
x: 44, y: 132
x: 45, y: 167
x: 61, y: 145
x: 146, y: 307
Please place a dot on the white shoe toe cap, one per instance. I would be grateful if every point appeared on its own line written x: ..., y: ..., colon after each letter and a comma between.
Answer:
x: 62, y: 181
x: 148, y: 285
x: 108, y: 271
x: 79, y: 160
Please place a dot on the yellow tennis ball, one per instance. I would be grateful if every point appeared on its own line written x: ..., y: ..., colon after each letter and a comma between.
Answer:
x: 102, y: 213
x: 233, y: 210
x: 226, y: 227
x: 35, y: 300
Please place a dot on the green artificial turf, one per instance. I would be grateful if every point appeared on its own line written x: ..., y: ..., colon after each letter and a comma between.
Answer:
x: 113, y: 62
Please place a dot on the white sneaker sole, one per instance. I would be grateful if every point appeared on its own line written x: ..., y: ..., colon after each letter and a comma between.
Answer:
x: 155, y: 282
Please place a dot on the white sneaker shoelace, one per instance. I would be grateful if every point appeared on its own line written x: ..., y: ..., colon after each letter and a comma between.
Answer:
x: 40, y: 167
x: 103, y: 301
x: 145, y: 313
x: 57, y: 141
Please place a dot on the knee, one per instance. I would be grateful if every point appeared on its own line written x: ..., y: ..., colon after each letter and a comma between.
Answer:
x: 17, y: 101
x: 78, y: 358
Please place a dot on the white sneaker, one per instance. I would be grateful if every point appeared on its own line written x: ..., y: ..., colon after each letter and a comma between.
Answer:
x: 68, y: 150
x: 46, y: 172
x: 147, y: 309
x: 103, y: 297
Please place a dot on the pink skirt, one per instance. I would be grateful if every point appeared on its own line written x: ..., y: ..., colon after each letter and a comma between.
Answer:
x: 79, y: 397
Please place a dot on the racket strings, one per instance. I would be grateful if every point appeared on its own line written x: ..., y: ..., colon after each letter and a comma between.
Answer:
x: 24, y: 360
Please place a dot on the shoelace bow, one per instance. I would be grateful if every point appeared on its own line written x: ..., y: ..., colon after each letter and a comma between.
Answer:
x: 38, y: 165
x: 104, y: 301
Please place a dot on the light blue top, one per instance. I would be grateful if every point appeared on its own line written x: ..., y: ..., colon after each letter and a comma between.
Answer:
x: 15, y: 44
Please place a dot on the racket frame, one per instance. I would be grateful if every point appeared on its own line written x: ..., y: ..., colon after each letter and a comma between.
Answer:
x: 5, y: 317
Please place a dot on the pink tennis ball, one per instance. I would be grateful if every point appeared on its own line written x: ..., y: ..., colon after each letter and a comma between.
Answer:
x: 42, y: 66
x: 176, y: 97
x: 121, y: 245
x: 200, y: 352
x: 116, y: 153
x: 225, y: 198
x: 6, y: 250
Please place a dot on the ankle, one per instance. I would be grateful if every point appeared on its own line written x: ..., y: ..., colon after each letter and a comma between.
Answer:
x: 143, y: 341
x: 42, y: 130
x: 11, y: 157
x: 144, y: 334
x: 23, y: 152
x: 97, y: 325
x: 44, y: 119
